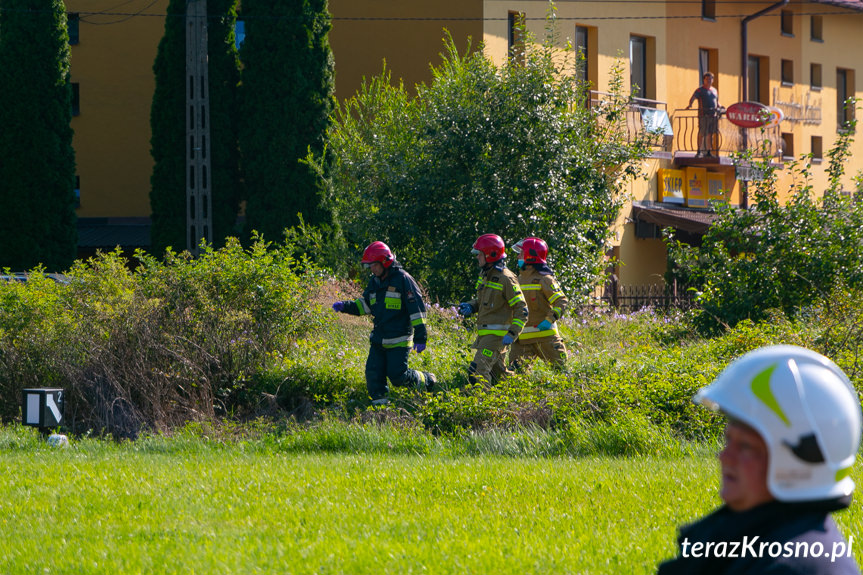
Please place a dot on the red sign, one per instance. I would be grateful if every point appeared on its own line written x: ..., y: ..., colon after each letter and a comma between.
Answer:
x: 748, y: 114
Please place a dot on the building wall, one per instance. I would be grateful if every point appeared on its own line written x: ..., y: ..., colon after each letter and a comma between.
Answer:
x: 407, y: 35
x: 113, y: 64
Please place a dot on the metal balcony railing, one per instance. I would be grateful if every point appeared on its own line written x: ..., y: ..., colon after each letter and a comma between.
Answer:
x: 642, y: 117
x: 678, y: 132
x: 763, y: 142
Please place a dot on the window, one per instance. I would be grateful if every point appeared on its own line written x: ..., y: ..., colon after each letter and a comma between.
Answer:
x: 638, y: 66
x: 585, y: 44
x: 815, y: 76
x: 515, y: 37
x: 708, y: 61
x: 787, y: 145
x: 787, y: 72
x: 72, y: 21
x: 708, y: 9
x: 77, y: 192
x: 844, y: 90
x: 239, y: 33
x: 817, y: 151
x: 582, y: 53
x: 816, y: 29
x: 786, y: 20
x: 757, y: 79
x: 76, y: 99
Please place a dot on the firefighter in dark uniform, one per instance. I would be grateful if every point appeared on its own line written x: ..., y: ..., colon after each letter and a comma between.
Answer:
x: 545, y: 304
x: 792, y: 435
x: 399, y: 314
x: 500, y: 308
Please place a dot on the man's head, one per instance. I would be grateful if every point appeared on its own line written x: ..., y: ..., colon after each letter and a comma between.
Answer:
x: 531, y: 251
x: 378, y: 257
x: 797, y: 409
x: 707, y: 78
x: 488, y: 248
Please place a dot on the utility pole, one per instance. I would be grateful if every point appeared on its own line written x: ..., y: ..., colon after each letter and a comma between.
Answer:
x: 199, y: 220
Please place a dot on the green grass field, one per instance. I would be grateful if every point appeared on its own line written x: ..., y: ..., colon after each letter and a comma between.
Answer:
x: 188, y: 505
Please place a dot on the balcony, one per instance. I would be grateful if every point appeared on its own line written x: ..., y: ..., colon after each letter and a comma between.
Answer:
x: 765, y: 143
x: 675, y: 137
x: 642, y: 117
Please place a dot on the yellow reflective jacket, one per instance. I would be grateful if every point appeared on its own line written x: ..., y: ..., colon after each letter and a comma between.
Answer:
x: 499, y: 303
x: 545, y: 301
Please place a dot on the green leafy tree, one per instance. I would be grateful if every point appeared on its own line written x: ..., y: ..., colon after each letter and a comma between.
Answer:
x: 287, y: 98
x: 37, y: 170
x: 775, y: 255
x: 168, y: 127
x: 513, y: 150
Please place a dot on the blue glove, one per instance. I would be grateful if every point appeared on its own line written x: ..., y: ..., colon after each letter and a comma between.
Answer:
x: 465, y: 309
x: 508, y: 339
x: 419, y: 347
x: 339, y: 306
x: 544, y: 325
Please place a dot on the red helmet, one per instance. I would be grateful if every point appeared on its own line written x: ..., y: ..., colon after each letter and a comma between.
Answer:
x: 491, y: 246
x: 378, y: 252
x: 532, y: 250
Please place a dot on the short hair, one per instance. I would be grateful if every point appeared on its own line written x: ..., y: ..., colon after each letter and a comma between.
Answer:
x: 706, y: 74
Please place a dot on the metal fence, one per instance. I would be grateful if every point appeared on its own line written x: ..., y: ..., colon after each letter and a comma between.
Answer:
x: 629, y: 298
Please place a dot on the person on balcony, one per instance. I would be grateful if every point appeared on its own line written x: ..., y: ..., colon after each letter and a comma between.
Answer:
x: 708, y: 115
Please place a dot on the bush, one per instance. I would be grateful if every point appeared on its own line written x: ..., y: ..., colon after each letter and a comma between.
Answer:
x: 776, y: 256
x: 184, y: 340
x: 513, y: 150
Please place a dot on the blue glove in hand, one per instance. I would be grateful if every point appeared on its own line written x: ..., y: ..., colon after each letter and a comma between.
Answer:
x: 419, y: 347
x: 339, y: 306
x: 465, y: 309
x: 544, y: 325
x: 508, y: 339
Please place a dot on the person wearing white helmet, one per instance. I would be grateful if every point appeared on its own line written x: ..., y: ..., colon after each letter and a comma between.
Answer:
x: 793, y: 431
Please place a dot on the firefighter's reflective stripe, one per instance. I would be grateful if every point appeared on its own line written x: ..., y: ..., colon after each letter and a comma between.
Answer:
x: 558, y: 312
x: 515, y: 299
x: 418, y: 319
x: 363, y: 307
x: 493, y: 329
x: 555, y: 296
x: 518, y: 321
x: 403, y: 341
x: 478, y: 283
x: 531, y: 287
x: 532, y: 332
x: 494, y: 285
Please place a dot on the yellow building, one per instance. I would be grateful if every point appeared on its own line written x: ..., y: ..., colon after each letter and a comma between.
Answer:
x: 800, y: 59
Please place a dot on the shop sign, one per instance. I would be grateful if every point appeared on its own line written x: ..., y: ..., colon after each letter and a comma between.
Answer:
x: 748, y: 114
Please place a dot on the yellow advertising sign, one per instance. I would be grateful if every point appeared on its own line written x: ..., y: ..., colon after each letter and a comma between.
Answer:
x: 671, y: 186
x: 695, y: 187
x: 716, y: 191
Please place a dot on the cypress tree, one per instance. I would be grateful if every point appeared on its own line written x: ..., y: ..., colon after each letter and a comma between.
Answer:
x: 37, y: 161
x: 287, y: 97
x: 168, y: 127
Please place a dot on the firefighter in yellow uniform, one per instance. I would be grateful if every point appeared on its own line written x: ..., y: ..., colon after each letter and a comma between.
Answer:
x: 500, y: 308
x: 545, y: 303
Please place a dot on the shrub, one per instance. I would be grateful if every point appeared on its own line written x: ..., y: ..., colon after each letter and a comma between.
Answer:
x: 776, y: 256
x: 170, y: 342
x: 511, y: 150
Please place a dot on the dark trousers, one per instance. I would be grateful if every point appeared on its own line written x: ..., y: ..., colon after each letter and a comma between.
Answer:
x: 389, y: 363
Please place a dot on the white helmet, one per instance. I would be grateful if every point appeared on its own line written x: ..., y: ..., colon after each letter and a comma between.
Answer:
x: 806, y: 411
